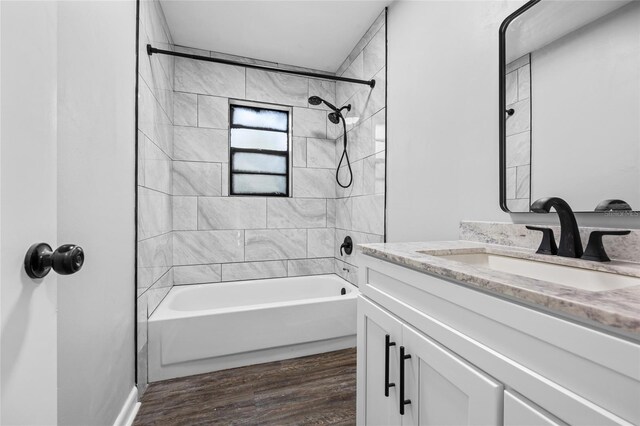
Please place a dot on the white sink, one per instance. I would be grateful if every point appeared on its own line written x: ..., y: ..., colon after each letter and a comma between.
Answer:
x: 583, y: 279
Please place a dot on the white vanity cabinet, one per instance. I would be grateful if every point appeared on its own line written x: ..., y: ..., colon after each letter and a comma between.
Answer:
x: 519, y: 412
x: 438, y: 387
x: 482, y: 360
x: 379, y: 335
x: 444, y: 388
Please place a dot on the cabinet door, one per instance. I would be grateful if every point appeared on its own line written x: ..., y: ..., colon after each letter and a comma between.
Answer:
x: 374, y: 325
x: 519, y: 412
x: 444, y: 389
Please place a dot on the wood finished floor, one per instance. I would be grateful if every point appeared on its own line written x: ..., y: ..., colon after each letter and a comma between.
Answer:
x: 313, y: 390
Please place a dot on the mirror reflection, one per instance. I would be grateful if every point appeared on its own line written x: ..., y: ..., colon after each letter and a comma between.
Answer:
x: 572, y: 96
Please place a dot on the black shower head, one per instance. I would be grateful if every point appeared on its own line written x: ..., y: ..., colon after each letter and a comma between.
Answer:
x: 317, y: 100
x: 334, y: 117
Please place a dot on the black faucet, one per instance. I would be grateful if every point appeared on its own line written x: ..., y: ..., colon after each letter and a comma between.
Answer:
x: 570, y: 244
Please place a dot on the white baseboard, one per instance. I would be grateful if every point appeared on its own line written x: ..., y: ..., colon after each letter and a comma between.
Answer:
x: 129, y: 409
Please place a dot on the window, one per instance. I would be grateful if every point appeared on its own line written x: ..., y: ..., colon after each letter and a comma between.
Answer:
x: 259, y: 151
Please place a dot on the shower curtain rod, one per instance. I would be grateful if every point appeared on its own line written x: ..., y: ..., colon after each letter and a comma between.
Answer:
x: 152, y: 50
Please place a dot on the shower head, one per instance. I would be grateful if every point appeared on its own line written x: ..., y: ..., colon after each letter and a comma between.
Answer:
x: 317, y: 100
x: 334, y: 116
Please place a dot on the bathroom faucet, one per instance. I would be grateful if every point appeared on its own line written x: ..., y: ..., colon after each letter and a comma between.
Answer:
x: 570, y: 244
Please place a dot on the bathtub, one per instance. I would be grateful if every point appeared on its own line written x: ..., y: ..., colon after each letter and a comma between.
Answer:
x: 208, y: 327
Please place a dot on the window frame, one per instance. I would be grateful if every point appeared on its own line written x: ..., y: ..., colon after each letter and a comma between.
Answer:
x: 288, y: 155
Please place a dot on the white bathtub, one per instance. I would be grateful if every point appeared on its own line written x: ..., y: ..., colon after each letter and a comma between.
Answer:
x: 209, y: 327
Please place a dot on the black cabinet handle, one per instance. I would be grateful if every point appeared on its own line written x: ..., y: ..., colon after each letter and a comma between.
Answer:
x: 65, y: 260
x: 387, y: 344
x: 403, y: 401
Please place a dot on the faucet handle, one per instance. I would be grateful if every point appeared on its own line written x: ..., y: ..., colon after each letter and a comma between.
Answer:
x: 595, y: 248
x: 347, y: 246
x: 548, y: 244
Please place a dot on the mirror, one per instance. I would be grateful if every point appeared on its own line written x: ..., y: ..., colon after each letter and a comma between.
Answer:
x: 570, y: 105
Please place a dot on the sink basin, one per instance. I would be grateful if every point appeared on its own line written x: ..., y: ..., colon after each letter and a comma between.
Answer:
x: 583, y: 279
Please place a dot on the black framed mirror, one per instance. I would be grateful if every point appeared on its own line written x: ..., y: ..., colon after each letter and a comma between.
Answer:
x: 570, y: 105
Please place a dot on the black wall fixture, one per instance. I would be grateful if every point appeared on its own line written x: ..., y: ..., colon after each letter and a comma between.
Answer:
x: 65, y: 260
x: 151, y: 50
x: 347, y: 246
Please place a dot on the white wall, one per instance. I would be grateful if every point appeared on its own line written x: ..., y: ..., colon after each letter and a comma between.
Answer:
x: 96, y: 183
x: 443, y: 123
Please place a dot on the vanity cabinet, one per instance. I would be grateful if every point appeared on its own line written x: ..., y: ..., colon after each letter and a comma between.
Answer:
x: 476, y: 358
x: 379, y: 335
x: 519, y: 412
x: 444, y: 388
x: 438, y: 387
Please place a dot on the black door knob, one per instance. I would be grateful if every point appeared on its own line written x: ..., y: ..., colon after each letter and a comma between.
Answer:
x: 65, y: 260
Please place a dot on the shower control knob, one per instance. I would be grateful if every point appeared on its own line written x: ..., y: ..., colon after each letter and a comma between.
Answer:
x: 347, y: 246
x: 65, y: 260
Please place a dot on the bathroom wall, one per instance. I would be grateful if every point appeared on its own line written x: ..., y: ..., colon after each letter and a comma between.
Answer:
x: 360, y: 209
x: 443, y: 105
x: 221, y: 238
x: 155, y: 153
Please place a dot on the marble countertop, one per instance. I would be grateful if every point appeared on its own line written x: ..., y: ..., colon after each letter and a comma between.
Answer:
x: 615, y: 310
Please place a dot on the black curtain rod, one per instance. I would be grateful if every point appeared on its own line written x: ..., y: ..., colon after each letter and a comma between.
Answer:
x: 152, y: 50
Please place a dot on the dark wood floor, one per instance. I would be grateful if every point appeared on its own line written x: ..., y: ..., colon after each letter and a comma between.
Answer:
x: 313, y: 390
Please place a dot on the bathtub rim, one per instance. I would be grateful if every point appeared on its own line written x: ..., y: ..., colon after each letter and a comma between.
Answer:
x: 164, y: 313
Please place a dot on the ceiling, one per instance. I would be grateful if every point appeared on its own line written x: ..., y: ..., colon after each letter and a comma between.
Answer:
x: 316, y: 34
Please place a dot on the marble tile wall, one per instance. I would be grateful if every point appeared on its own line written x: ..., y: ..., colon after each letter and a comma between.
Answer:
x: 155, y: 174
x: 221, y: 238
x: 360, y: 208
x: 277, y: 237
x: 518, y: 126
